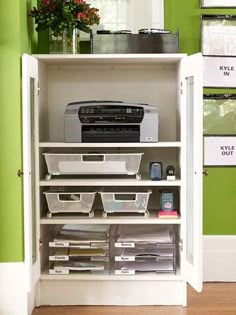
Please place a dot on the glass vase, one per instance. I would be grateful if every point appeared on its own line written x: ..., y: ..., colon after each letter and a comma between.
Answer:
x: 68, y: 42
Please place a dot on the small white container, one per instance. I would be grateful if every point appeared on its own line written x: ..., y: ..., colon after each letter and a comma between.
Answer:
x: 70, y: 202
x: 127, y: 202
x: 93, y: 163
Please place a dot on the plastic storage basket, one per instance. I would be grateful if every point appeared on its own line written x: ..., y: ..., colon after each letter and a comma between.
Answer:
x: 126, y: 202
x: 68, y: 202
x: 92, y: 164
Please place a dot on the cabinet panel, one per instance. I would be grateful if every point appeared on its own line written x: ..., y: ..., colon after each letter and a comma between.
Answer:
x: 31, y: 233
x: 192, y: 86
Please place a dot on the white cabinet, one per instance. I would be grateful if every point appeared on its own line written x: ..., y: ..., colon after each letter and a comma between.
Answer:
x: 173, y: 83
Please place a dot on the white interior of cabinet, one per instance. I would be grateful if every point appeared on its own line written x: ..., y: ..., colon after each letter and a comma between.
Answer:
x: 141, y: 82
x: 153, y: 80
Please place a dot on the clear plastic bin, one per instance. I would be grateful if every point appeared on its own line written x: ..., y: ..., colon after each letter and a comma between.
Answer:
x: 129, y: 267
x: 125, y: 202
x: 131, y: 236
x: 139, y: 254
x: 92, y: 164
x: 70, y: 202
x: 68, y: 267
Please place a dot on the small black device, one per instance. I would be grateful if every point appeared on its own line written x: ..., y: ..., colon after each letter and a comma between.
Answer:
x: 155, y: 170
x: 170, y: 172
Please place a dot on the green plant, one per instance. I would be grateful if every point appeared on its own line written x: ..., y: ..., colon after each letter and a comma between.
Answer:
x: 60, y: 15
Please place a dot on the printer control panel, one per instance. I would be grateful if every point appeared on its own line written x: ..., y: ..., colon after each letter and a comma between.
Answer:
x: 110, y: 114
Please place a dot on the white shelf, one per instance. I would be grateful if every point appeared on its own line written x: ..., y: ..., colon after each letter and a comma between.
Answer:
x: 105, y: 59
x: 108, y: 182
x: 112, y: 277
x: 111, y: 219
x: 171, y: 144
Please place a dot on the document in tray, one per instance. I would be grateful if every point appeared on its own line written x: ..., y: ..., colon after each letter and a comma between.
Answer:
x: 79, y: 266
x: 145, y: 235
x: 91, y: 228
x: 74, y: 252
x: 218, y: 35
x: 163, y: 266
x: 80, y: 236
x: 132, y: 254
x: 64, y: 243
x: 89, y: 232
x: 65, y: 254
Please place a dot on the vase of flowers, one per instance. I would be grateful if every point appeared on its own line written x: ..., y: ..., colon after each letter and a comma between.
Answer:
x: 68, y: 42
x: 64, y: 19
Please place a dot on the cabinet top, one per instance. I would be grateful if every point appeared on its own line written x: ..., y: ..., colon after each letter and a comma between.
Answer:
x: 110, y: 58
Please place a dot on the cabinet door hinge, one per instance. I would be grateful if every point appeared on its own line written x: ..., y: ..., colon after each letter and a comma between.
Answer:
x: 181, y: 87
x: 40, y: 244
x: 38, y: 90
x: 181, y: 245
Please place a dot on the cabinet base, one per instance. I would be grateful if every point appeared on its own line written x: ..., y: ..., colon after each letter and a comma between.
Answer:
x: 67, y: 292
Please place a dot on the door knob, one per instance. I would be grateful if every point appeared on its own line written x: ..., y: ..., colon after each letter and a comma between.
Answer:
x: 205, y: 172
x: 19, y: 173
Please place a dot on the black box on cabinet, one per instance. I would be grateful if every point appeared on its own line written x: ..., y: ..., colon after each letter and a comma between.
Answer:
x: 134, y: 43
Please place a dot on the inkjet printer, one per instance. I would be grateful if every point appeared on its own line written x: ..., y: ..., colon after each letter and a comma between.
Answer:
x: 110, y: 121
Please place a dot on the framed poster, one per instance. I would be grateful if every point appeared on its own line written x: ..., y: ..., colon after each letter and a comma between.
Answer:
x: 220, y: 151
x: 218, y: 35
x: 219, y: 72
x: 218, y: 4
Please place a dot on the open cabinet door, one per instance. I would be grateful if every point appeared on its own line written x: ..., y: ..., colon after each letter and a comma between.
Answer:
x: 191, y: 78
x: 31, y: 238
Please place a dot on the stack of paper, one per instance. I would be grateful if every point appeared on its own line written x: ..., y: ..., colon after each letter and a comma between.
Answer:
x: 79, y: 248
x: 145, y: 234
x: 82, y: 236
x: 75, y: 266
x: 145, y: 249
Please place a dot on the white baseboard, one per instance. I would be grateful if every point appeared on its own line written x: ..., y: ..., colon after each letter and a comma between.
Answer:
x: 13, y: 295
x: 219, y: 258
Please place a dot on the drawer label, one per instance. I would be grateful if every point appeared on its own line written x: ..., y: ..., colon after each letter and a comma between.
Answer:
x: 58, y: 272
x: 124, y: 272
x: 59, y: 244
x: 125, y: 258
x: 125, y: 245
x: 59, y: 258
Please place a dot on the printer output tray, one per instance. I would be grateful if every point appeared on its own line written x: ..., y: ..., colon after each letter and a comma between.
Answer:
x: 106, y: 133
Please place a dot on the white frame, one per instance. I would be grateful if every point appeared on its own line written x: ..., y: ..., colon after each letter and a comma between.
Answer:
x: 218, y: 4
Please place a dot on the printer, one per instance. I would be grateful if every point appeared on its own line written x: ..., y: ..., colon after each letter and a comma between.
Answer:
x: 110, y: 121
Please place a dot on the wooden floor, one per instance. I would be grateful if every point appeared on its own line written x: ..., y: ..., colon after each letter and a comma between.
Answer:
x: 215, y: 299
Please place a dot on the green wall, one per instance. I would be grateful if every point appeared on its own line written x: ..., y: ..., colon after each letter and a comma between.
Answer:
x: 14, y: 40
x: 11, y: 216
x: 219, y: 193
